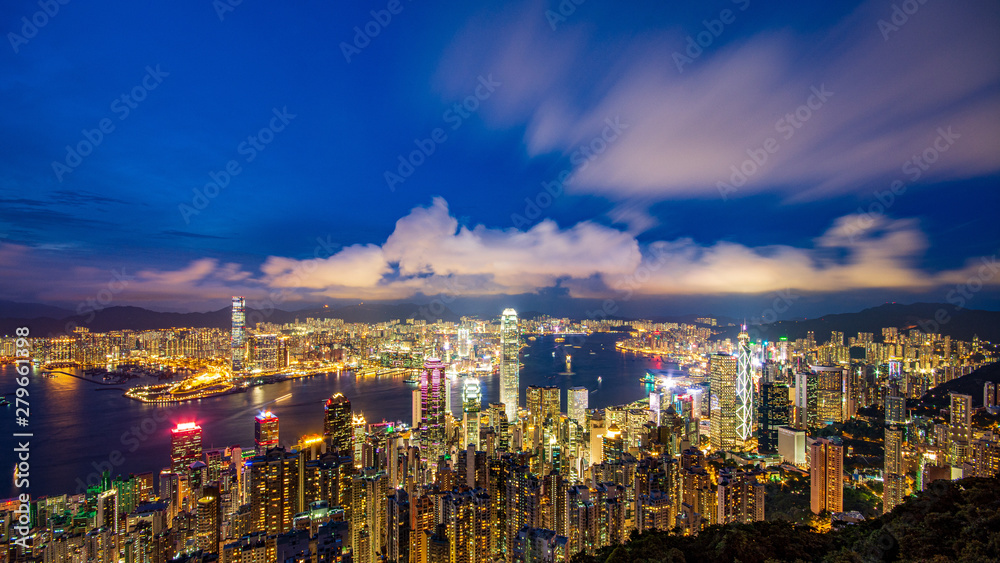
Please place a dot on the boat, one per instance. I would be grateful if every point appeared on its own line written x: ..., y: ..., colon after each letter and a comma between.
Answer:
x: 598, y: 379
x: 4, y: 403
x: 412, y: 379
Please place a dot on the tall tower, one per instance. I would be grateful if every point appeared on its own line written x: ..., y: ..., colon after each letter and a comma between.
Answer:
x: 510, y: 345
x: 744, y: 390
x: 432, y: 425
x: 826, y: 476
x: 722, y: 405
x: 265, y: 431
x: 894, y: 477
x: 238, y: 336
x: 471, y: 404
x: 577, y: 400
x: 185, y: 446
x: 337, y: 424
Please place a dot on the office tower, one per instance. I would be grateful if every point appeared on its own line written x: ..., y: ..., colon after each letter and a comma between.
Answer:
x: 792, y: 445
x: 415, y: 404
x: 337, y: 425
x: 774, y: 413
x: 825, y: 395
x: 432, y: 423
x: 265, y: 431
x: 826, y: 473
x: 894, y: 476
x: 722, y: 386
x: 185, y: 446
x: 209, y: 521
x: 464, y: 343
x: 238, y: 336
x: 744, y: 391
x: 358, y: 428
x: 543, y: 403
x: 471, y: 404
x: 895, y: 409
x: 613, y: 444
x: 510, y: 346
x: 577, y: 401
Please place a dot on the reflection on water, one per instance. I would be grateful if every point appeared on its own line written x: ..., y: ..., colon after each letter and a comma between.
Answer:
x: 76, y: 428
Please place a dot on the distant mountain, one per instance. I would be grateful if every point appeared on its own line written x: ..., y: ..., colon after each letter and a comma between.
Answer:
x: 137, y: 318
x: 961, y: 325
x: 14, y: 309
x: 969, y: 384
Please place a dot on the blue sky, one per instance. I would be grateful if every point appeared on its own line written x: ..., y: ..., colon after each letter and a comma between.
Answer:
x: 834, y: 100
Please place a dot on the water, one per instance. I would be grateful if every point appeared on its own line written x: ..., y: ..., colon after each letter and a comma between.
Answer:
x: 80, y: 428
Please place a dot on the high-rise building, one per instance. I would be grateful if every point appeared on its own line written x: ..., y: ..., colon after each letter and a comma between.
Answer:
x: 542, y: 403
x: 826, y: 395
x: 722, y: 389
x: 990, y: 396
x: 773, y: 414
x: 238, y: 336
x: 577, y: 401
x: 471, y: 404
x: 895, y: 409
x: 337, y: 425
x: 510, y: 347
x: 894, y: 480
x: 358, y: 428
x: 185, y: 446
x: 740, y: 498
x: 433, y: 385
x: 744, y: 391
x: 266, y: 352
x: 961, y: 418
x: 826, y: 474
x: 265, y: 431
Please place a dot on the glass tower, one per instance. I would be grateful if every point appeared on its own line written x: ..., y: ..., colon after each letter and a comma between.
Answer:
x: 239, y: 333
x: 509, y: 372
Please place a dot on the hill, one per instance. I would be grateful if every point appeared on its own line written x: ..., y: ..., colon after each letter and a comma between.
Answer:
x: 969, y: 384
x: 952, y: 521
x: 961, y: 325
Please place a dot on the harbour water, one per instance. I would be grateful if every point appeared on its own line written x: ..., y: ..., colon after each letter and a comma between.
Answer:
x: 80, y: 428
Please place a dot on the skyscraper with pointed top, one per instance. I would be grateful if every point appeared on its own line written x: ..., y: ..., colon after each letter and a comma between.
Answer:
x: 744, y: 389
x: 238, y: 335
x: 510, y: 346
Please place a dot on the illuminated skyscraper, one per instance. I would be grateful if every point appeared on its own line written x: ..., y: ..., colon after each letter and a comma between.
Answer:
x: 433, y: 385
x: 744, y: 390
x: 577, y: 401
x: 722, y: 386
x: 358, y: 427
x: 337, y: 425
x: 471, y: 405
x: 510, y: 347
x: 238, y: 337
x: 894, y: 480
x: 826, y: 474
x: 265, y: 431
x: 266, y: 352
x: 774, y: 413
x: 464, y: 343
x: 185, y: 446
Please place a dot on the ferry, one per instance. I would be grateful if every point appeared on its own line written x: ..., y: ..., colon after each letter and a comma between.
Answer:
x: 412, y: 380
x: 598, y: 379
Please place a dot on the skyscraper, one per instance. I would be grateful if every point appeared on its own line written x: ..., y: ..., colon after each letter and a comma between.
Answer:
x: 826, y: 474
x: 185, y: 446
x: 265, y: 431
x: 471, y: 405
x: 510, y: 346
x: 894, y: 480
x: 744, y: 390
x: 774, y: 413
x: 577, y: 401
x: 238, y: 336
x: 337, y: 424
x: 432, y: 424
x: 722, y: 405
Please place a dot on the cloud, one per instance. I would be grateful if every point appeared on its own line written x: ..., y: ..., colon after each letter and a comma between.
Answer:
x: 889, y: 98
